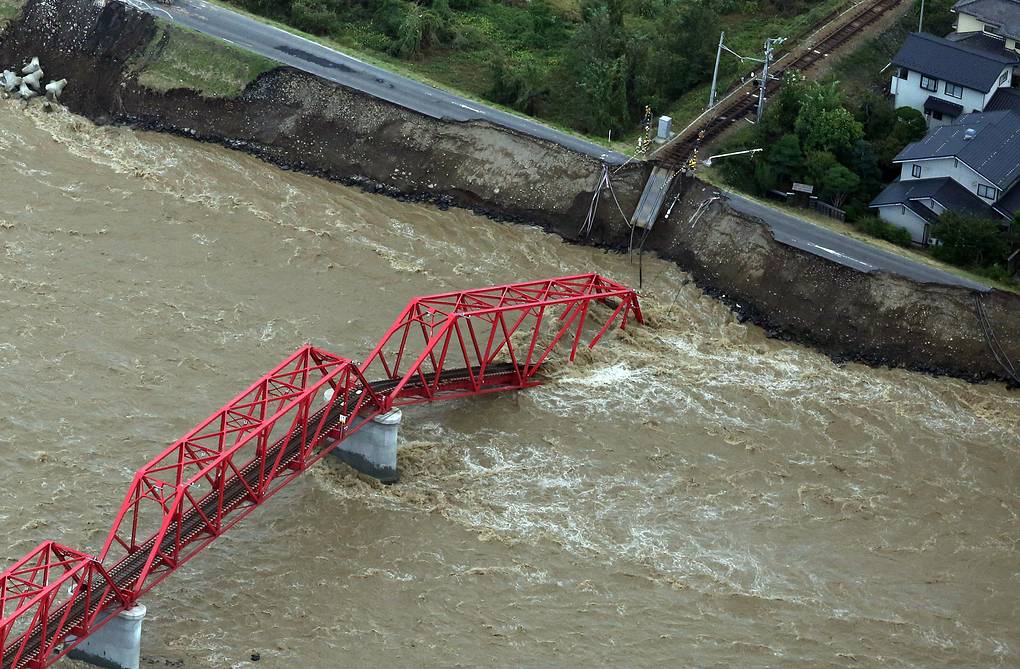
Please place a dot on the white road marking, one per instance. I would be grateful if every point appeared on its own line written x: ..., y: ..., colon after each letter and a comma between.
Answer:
x: 841, y: 255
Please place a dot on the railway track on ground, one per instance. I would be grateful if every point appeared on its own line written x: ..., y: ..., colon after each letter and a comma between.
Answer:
x: 744, y: 100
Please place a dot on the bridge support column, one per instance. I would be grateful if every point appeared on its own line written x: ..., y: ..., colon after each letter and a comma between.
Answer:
x: 118, y: 645
x: 372, y: 450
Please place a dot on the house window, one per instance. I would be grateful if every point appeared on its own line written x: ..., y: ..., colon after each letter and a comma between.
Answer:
x: 902, y: 73
x: 954, y: 91
x: 987, y: 192
x: 929, y: 84
x: 915, y: 171
x: 1004, y: 78
x: 991, y: 30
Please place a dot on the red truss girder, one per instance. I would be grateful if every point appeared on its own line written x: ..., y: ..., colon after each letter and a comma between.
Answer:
x: 442, y: 346
x: 475, y: 331
x: 35, y: 615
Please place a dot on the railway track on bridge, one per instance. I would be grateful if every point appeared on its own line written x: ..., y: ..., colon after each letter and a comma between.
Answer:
x: 495, y: 339
x: 126, y: 573
x: 738, y: 105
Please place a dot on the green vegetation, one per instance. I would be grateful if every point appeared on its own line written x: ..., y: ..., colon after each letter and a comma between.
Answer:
x: 858, y: 72
x: 845, y: 150
x: 876, y: 227
x: 816, y: 136
x: 590, y: 65
x: 181, y: 58
x: 841, y: 135
x: 9, y: 9
x: 978, y: 244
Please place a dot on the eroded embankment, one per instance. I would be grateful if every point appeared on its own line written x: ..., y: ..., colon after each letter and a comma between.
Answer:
x: 877, y: 318
x: 299, y: 121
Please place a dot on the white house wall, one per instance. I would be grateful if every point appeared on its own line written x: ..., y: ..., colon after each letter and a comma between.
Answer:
x: 966, y: 23
x: 902, y: 217
x: 909, y: 93
x: 999, y: 84
x: 936, y: 168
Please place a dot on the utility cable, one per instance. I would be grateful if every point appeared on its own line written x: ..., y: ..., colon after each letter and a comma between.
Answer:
x: 993, y: 343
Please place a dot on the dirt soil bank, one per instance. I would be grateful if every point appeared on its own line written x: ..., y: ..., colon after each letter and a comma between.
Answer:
x: 877, y: 318
x: 301, y: 122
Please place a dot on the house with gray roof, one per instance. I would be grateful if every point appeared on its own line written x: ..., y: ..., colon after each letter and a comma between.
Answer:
x: 945, y: 78
x: 971, y: 166
x: 996, y: 19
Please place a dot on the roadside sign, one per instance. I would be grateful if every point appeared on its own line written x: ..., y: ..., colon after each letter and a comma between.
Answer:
x: 803, y: 188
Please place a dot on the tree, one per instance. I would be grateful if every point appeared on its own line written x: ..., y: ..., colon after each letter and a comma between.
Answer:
x: 423, y: 28
x: 832, y: 130
x: 786, y: 158
x: 598, y: 68
x: 910, y: 125
x: 969, y: 241
x: 817, y: 166
x: 520, y: 81
x: 838, y: 183
x: 764, y: 177
x: 790, y: 99
x: 672, y: 59
x: 876, y: 115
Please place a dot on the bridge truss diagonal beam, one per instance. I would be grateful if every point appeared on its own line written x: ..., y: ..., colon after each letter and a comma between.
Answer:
x: 442, y: 346
x: 500, y: 336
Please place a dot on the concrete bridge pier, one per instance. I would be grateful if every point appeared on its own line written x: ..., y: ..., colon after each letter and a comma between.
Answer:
x: 118, y: 645
x: 372, y: 450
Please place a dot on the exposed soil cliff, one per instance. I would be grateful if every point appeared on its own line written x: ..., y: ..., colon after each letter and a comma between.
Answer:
x: 301, y: 122
x: 876, y: 318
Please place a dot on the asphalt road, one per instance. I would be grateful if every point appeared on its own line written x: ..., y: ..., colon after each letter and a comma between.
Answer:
x: 298, y: 52
x: 312, y: 57
x: 842, y: 249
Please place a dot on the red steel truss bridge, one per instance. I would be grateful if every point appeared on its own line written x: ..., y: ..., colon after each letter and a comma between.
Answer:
x: 440, y: 347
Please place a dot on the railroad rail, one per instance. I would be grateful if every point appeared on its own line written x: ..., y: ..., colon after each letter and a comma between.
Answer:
x: 444, y: 346
x: 677, y: 153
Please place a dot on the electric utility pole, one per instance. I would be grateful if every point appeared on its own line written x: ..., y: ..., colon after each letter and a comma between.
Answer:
x: 770, y: 44
x: 920, y: 21
x: 715, y: 73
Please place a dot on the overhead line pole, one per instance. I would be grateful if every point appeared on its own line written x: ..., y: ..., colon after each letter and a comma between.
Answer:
x: 769, y: 46
x: 715, y: 73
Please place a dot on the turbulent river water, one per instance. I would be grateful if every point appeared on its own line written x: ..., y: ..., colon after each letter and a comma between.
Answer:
x: 690, y: 494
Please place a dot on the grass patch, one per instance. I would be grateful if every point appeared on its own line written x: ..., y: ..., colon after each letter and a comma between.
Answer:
x: 859, y: 71
x: 181, y: 58
x: 540, y: 56
x: 448, y: 71
x: 9, y: 9
x: 746, y: 35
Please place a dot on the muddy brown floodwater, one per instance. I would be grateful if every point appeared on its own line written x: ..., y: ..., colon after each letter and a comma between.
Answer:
x: 691, y: 494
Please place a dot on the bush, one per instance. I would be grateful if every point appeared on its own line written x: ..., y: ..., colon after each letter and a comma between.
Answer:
x: 969, y: 241
x: 876, y: 227
x: 388, y: 15
x: 520, y: 81
x: 423, y: 28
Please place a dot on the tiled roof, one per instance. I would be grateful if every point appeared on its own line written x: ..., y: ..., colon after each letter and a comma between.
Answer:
x: 984, y: 43
x: 993, y: 151
x: 1003, y: 14
x: 1005, y: 99
x: 946, y: 107
x: 955, y: 62
x: 944, y: 190
x: 1009, y: 204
